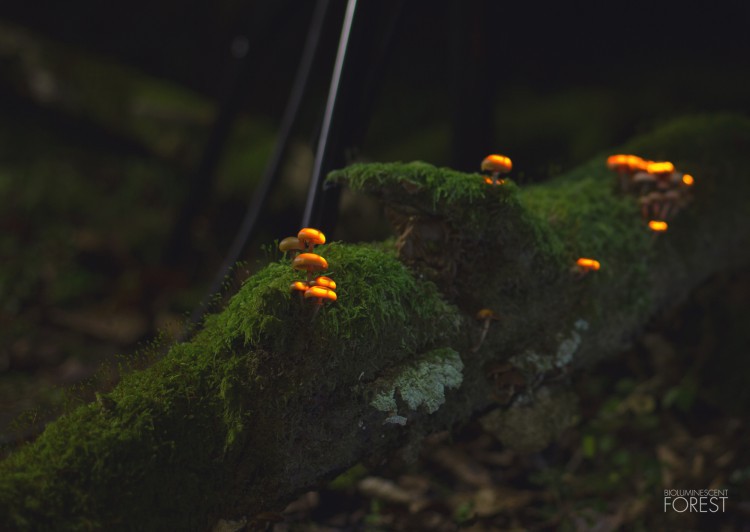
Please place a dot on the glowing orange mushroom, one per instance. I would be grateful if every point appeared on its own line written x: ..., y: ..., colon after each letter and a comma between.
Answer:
x: 496, y: 165
x: 625, y: 163
x: 635, y: 163
x: 320, y: 293
x: 325, y: 282
x: 688, y: 180
x: 309, y: 262
x: 626, y: 167
x: 311, y: 237
x: 658, y: 226
x: 660, y: 168
x: 588, y: 264
x: 299, y: 286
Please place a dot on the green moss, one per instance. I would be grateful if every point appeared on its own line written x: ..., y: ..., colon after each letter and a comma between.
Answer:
x: 440, y: 191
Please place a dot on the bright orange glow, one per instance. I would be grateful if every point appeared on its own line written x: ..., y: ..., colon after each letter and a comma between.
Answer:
x: 588, y: 264
x: 663, y: 167
x: 688, y: 180
x: 616, y: 162
x: 636, y: 163
x: 658, y: 226
x: 497, y: 163
x: 291, y: 243
x: 489, y: 181
x: 311, y: 236
x: 309, y: 262
x: 326, y: 282
x: 625, y: 163
x: 298, y: 286
x: 321, y: 293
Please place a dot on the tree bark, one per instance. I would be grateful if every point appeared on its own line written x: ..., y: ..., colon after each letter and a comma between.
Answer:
x: 271, y: 398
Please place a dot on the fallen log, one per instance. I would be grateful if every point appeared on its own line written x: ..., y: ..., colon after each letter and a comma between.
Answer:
x: 269, y: 400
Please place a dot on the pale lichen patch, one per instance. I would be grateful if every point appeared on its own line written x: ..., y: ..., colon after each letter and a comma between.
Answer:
x: 535, y: 363
x: 419, y: 383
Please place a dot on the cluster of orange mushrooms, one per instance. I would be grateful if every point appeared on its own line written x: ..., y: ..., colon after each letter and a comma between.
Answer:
x: 320, y: 288
x: 661, y: 190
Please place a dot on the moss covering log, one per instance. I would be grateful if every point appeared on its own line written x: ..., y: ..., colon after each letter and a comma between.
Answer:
x: 267, y: 401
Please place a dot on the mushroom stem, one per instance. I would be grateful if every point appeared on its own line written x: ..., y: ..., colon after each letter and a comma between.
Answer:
x: 482, y: 335
x: 485, y: 315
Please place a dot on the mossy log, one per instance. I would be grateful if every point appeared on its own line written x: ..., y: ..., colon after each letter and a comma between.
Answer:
x: 268, y: 400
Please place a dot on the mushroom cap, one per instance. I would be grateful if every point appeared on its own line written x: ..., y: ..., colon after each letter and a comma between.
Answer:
x: 291, y: 243
x: 626, y: 163
x: 658, y: 225
x: 588, y: 264
x: 325, y: 282
x: 636, y: 163
x: 312, y: 236
x: 688, y: 180
x: 486, y: 314
x: 321, y: 293
x: 299, y: 286
x: 497, y: 163
x: 309, y: 262
x: 617, y: 162
x: 660, y: 167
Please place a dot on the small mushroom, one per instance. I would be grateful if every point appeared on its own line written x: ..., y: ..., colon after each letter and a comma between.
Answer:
x: 651, y: 204
x: 309, y: 262
x: 320, y: 293
x: 299, y: 287
x: 589, y: 265
x: 583, y: 266
x: 688, y: 180
x: 660, y: 168
x: 292, y: 244
x: 643, y: 182
x: 625, y: 166
x: 658, y: 226
x: 496, y: 165
x: 325, y: 282
x: 486, y: 316
x: 311, y: 237
x: 671, y: 203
